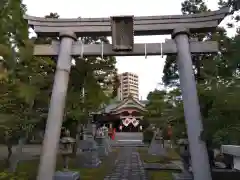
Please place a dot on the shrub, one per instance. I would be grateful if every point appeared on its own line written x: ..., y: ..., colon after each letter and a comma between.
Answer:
x: 147, y: 136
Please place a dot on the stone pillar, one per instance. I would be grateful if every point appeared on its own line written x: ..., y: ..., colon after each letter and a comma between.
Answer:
x: 56, y: 109
x: 198, y: 150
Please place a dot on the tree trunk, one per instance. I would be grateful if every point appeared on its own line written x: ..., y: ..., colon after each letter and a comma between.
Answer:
x: 9, y: 148
x: 78, y: 131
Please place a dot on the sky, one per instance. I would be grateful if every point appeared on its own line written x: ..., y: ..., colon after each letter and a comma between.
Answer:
x: 149, y: 70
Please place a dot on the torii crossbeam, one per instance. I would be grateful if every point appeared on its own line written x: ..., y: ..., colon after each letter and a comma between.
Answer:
x: 168, y: 48
x: 145, y: 25
x: 179, y: 26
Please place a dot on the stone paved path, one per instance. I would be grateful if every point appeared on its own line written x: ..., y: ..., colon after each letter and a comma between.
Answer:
x: 128, y: 166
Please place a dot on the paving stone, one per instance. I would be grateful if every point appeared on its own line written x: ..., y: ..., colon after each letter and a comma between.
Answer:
x: 128, y: 166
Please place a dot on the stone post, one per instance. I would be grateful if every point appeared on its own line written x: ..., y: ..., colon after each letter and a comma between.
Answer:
x: 198, y: 150
x: 56, y: 109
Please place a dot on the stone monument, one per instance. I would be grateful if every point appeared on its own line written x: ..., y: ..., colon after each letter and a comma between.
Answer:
x: 89, y: 156
x: 101, y: 143
x: 156, y: 146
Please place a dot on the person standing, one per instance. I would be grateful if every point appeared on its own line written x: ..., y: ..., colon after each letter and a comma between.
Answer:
x: 169, y: 132
x: 110, y: 131
x: 113, y: 133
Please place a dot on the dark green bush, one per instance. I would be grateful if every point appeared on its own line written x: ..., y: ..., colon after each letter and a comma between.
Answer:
x: 147, y: 136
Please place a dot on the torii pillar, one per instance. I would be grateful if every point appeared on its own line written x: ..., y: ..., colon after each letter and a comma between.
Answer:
x: 56, y: 109
x: 193, y: 120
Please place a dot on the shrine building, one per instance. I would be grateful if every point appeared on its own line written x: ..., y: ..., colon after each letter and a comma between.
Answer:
x: 125, y: 115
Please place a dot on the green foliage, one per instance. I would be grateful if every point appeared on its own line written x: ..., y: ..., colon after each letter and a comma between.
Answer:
x: 165, y: 108
x: 163, y: 175
x: 18, y: 91
x: 220, y: 112
x: 13, y: 176
x: 155, y: 103
x: 15, y: 30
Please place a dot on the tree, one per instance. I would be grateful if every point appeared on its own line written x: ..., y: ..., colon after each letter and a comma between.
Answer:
x: 217, y: 80
x: 220, y: 112
x: 158, y: 107
x: 154, y: 107
x: 234, y: 5
x: 164, y: 109
x: 26, y: 81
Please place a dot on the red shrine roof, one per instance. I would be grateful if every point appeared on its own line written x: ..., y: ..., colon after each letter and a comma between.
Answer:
x: 130, y: 102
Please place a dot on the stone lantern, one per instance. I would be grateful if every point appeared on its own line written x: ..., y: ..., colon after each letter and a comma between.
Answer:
x: 66, y: 149
x: 185, y: 156
x: 184, y: 153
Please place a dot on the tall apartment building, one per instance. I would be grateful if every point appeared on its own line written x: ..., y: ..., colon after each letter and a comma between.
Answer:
x: 128, y: 86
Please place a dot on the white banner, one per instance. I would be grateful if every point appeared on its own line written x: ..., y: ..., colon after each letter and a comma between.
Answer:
x: 126, y: 121
x: 135, y: 122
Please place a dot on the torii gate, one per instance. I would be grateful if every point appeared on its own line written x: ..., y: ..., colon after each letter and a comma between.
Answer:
x: 122, y: 29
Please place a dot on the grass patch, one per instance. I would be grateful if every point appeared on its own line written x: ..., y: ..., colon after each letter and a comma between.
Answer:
x: 27, y: 170
x: 147, y: 158
x: 160, y: 175
x: 102, y: 171
x: 173, y: 155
